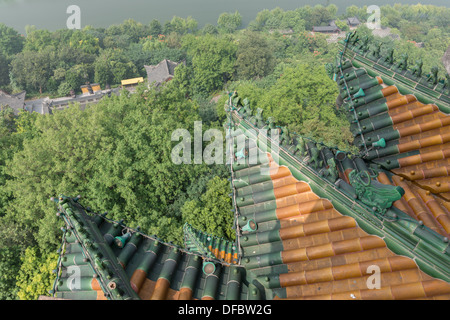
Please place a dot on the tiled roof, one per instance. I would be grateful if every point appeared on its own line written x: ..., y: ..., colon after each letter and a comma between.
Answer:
x: 210, y: 245
x: 161, y: 72
x: 48, y: 106
x: 326, y: 29
x: 315, y: 239
x: 411, y: 114
x: 306, y: 249
x: 354, y: 21
x: 136, y: 266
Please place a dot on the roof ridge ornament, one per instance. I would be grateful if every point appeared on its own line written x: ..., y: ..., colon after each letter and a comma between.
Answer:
x: 376, y: 195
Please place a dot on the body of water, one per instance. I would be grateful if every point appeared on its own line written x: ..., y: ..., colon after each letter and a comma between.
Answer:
x: 51, y: 14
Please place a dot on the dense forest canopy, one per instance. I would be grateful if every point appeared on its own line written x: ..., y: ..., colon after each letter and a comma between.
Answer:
x: 116, y: 153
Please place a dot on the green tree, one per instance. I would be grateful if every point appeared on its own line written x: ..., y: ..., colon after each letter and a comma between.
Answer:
x: 303, y: 99
x: 7, y: 125
x: 213, y: 61
x: 150, y: 43
x: 351, y: 11
x: 275, y: 18
x: 8, y: 144
x: 135, y: 30
x: 64, y: 89
x: 209, y: 29
x: 173, y: 54
x: 4, y: 71
x: 167, y: 28
x: 130, y: 28
x: 62, y: 36
x: 308, y: 42
x: 139, y: 57
x: 37, y: 39
x: 25, y: 124
x: 182, y: 79
x: 292, y: 20
x: 183, y: 26
x: 121, y: 41
x: 320, y: 15
x: 332, y: 9
x: 229, y: 22
x: 85, y: 41
x: 14, y: 242
x: 212, y: 212
x: 260, y: 20
x: 11, y: 42
x: 35, y: 276
x: 254, y: 56
x: 9, y: 264
x: 341, y: 24
x: 69, y: 56
x: 112, y: 66
x: 31, y: 70
x: 436, y: 39
x: 115, y: 154
x: 305, y: 14
x: 411, y: 30
x: 155, y: 28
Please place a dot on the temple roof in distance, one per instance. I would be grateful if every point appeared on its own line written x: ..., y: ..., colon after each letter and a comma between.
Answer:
x: 162, y: 72
x: 14, y: 101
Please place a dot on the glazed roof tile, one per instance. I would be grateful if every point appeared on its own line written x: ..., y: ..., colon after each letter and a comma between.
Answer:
x: 412, y: 120
x: 140, y: 267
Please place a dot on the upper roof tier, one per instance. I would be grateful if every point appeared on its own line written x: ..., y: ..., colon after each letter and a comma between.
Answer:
x: 428, y: 86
